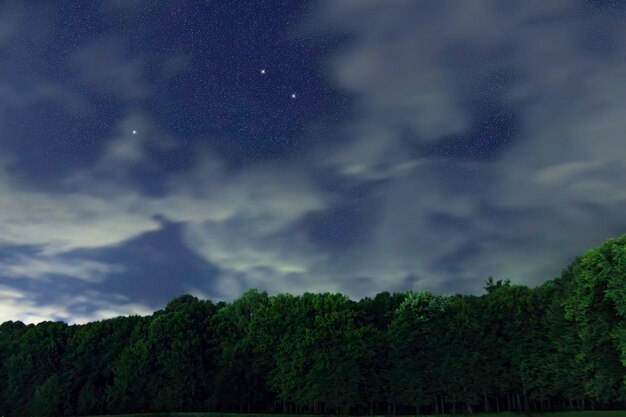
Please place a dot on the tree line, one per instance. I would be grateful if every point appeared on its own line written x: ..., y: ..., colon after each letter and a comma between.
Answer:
x: 558, y: 346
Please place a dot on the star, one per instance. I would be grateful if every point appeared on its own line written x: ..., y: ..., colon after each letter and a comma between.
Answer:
x: 134, y: 132
x: 293, y: 95
x: 263, y: 71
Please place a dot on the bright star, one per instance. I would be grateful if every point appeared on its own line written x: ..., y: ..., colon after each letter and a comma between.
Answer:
x: 134, y: 132
x: 293, y: 95
x: 263, y: 71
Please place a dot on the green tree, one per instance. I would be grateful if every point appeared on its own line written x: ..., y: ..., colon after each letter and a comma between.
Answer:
x: 566, y: 374
x: 135, y: 379
x: 183, y: 347
x: 416, y: 379
x: 239, y: 384
x: 464, y: 355
x: 319, y: 354
x: 36, y: 358
x: 47, y: 398
x: 561, y: 345
x: 598, y: 306
x: 86, y: 366
x: 10, y: 336
x: 492, y: 285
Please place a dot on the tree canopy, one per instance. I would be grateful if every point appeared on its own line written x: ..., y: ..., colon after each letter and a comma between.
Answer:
x: 561, y: 345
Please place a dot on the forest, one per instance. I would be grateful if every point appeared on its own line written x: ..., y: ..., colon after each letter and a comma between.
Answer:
x: 558, y: 346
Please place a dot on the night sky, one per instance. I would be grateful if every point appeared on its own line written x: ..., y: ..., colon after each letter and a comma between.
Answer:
x: 154, y: 148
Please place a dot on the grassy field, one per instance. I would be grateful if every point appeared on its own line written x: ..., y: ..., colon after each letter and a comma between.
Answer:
x: 619, y: 413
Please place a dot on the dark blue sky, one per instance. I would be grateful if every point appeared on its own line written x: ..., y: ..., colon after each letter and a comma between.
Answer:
x: 429, y: 145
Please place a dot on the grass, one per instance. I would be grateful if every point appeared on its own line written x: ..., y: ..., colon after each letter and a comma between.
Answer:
x: 613, y: 413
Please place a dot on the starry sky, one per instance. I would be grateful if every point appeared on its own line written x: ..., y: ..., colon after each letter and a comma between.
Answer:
x: 150, y: 149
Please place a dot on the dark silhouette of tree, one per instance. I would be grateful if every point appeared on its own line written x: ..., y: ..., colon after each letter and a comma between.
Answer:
x: 492, y: 285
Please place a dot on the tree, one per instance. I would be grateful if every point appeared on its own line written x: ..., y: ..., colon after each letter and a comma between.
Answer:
x: 464, y: 354
x: 135, y: 373
x: 416, y: 379
x: 566, y: 374
x: 36, y: 358
x: 492, y: 285
x: 10, y: 336
x: 239, y: 385
x: 598, y: 306
x: 86, y: 366
x: 561, y: 345
x: 47, y: 399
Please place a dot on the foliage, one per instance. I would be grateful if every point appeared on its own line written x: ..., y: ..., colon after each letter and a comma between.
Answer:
x: 559, y: 346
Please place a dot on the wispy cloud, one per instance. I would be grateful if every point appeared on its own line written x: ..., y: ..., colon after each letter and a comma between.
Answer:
x: 43, y: 267
x: 42, y: 92
x: 426, y: 79
x: 20, y: 306
x: 108, y: 66
x: 10, y: 20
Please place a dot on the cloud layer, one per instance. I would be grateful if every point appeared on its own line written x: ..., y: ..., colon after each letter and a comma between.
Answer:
x: 484, y: 139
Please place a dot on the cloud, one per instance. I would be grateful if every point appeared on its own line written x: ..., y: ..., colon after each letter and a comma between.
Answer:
x: 96, y: 207
x: 424, y: 72
x: 382, y: 62
x: 175, y: 65
x: 40, y: 92
x: 60, y: 222
x: 20, y: 306
x: 243, y: 223
x: 126, y: 8
x: 369, y: 152
x: 43, y: 267
x: 238, y: 221
x: 10, y: 20
x: 107, y: 65
x: 486, y: 140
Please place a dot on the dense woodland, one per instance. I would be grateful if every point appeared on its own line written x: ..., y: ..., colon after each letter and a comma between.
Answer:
x: 558, y: 346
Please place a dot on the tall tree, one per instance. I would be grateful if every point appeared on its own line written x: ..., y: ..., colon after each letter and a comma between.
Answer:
x: 416, y: 379
x: 598, y: 306
x: 135, y: 373
x: 86, y: 369
x: 239, y: 385
x: 184, y: 354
